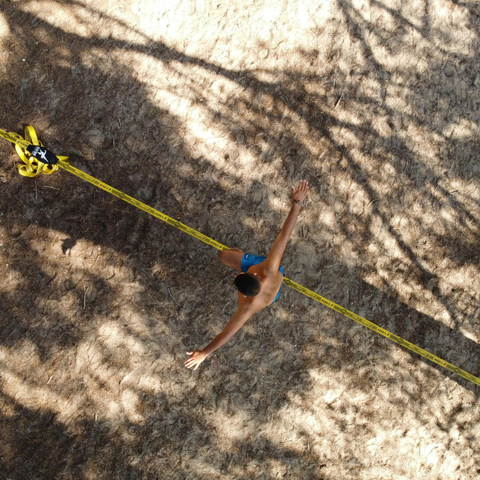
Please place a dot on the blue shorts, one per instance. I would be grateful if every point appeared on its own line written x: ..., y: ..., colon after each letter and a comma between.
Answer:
x: 249, y: 260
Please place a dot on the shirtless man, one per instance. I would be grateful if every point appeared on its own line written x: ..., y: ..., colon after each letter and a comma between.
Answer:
x: 260, y: 283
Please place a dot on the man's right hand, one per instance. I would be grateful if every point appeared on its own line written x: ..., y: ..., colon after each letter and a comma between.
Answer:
x: 196, y: 359
x: 300, y: 193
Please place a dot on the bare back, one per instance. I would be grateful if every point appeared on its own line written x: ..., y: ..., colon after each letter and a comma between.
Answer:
x: 271, y: 283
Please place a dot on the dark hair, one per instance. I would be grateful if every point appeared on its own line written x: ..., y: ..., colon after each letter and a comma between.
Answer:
x: 248, y: 284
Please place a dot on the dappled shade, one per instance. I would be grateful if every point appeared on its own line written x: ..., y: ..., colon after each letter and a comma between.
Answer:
x: 209, y: 111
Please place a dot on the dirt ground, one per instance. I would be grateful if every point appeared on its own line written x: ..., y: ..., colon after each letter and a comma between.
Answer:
x: 209, y: 111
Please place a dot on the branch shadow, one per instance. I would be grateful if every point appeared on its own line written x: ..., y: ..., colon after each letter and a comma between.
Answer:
x: 155, y: 307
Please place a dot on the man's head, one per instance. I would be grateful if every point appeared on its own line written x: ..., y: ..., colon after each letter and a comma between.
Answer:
x: 248, y: 284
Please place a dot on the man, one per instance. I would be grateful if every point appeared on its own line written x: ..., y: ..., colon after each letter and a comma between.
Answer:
x: 260, y: 283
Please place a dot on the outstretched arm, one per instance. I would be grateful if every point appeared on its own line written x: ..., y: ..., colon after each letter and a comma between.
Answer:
x: 231, y: 328
x: 276, y: 252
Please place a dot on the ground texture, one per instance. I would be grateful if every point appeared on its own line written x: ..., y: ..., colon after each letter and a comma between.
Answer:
x: 209, y: 111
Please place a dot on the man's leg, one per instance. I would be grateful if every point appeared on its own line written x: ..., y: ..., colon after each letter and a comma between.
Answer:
x: 232, y: 258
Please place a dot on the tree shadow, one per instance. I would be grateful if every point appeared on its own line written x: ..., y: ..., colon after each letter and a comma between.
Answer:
x: 124, y: 335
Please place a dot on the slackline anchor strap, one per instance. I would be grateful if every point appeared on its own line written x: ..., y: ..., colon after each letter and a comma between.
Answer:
x: 41, y: 161
x: 36, y: 158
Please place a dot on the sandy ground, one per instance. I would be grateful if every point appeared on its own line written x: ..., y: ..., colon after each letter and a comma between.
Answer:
x: 209, y: 111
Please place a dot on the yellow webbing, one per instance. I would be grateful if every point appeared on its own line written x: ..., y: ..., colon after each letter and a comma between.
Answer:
x: 34, y: 167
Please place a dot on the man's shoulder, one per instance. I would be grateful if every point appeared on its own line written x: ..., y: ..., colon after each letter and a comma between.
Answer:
x: 264, y: 268
x: 249, y: 305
